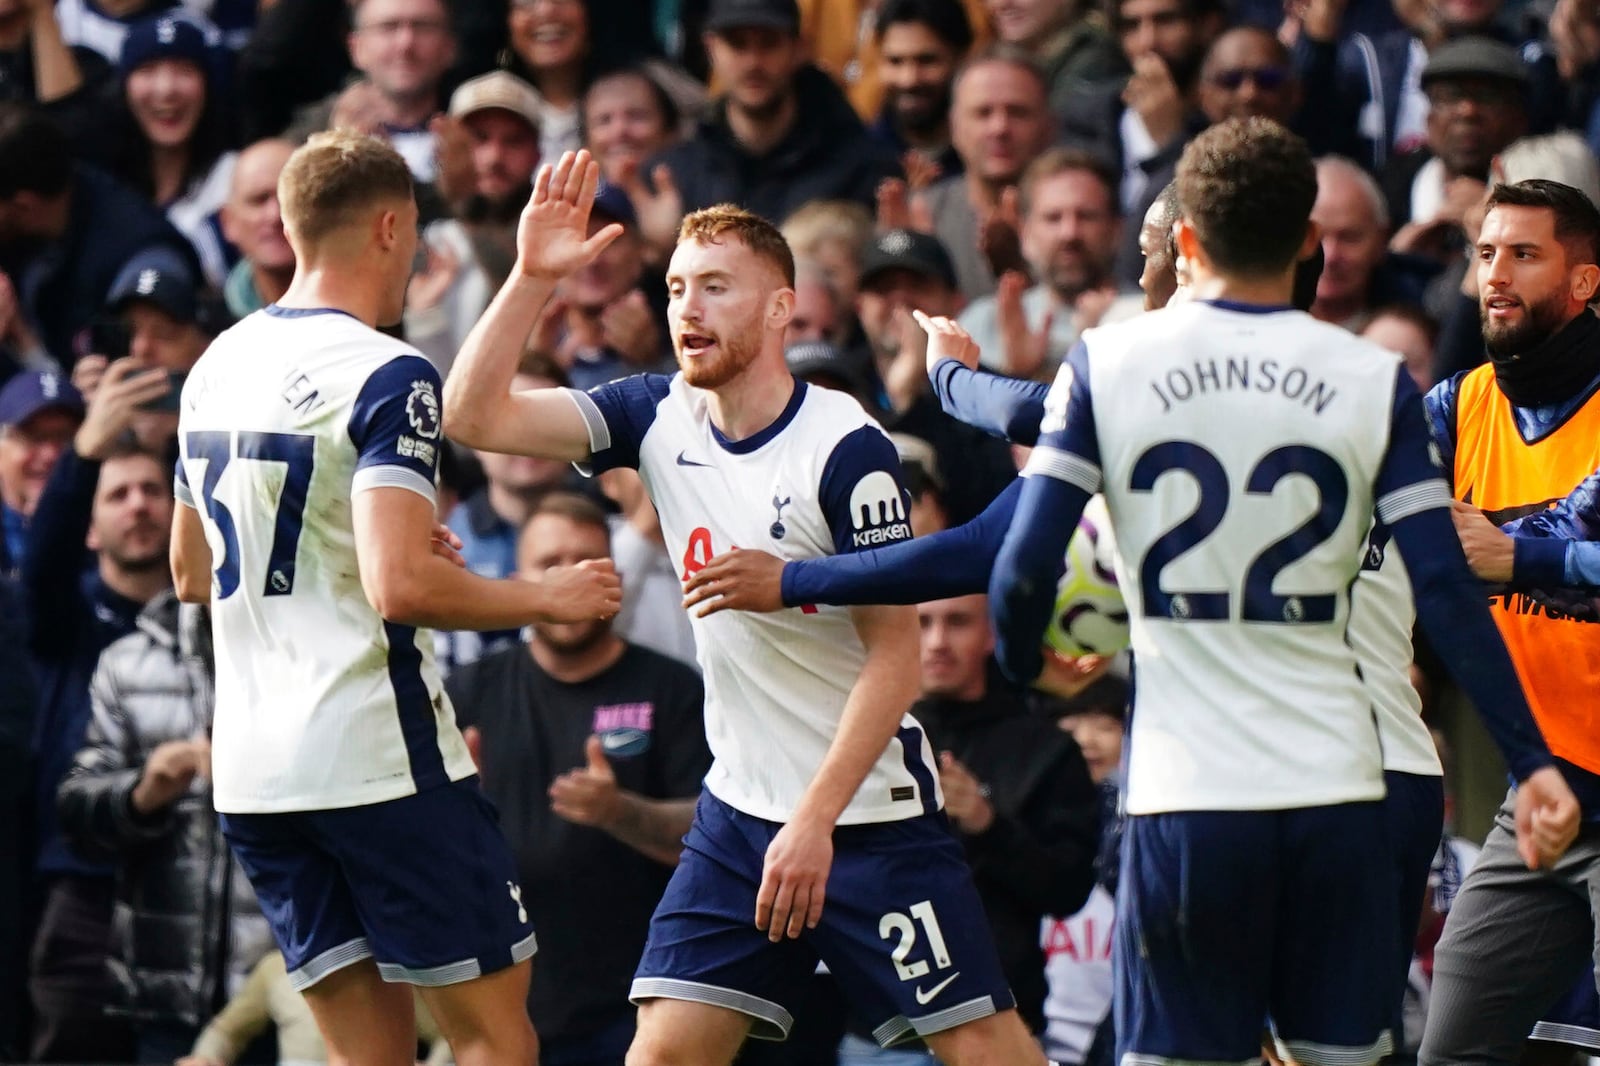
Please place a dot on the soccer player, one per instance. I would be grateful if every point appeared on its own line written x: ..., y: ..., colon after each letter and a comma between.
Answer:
x: 1244, y: 450
x: 959, y: 561
x: 309, y: 451
x: 819, y: 834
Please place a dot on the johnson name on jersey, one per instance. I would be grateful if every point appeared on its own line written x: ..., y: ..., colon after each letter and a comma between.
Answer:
x: 1243, y: 453
x: 823, y: 478
x: 320, y: 702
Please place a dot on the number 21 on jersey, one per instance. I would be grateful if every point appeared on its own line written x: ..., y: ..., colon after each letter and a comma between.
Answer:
x: 217, y: 449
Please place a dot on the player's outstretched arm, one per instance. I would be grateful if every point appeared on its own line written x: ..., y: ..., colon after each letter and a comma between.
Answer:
x: 190, y: 555
x: 795, y: 876
x: 480, y: 410
x: 1003, y: 407
x: 953, y: 562
x: 1061, y: 475
x: 408, y: 583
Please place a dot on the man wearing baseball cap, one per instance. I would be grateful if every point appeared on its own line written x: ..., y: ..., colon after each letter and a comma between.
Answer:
x: 501, y: 114
x: 159, y: 311
x: 1477, y: 90
x: 39, y: 413
x: 904, y: 270
x: 781, y: 134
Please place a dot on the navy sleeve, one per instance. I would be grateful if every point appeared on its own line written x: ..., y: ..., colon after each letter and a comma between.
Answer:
x: 619, y: 414
x: 1003, y: 407
x: 395, y: 425
x: 956, y: 562
x: 1560, y: 547
x: 1440, y: 408
x: 862, y: 493
x: 1061, y: 475
x: 1414, y: 503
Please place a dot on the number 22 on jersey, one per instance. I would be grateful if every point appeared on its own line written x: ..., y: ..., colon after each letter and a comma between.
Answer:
x: 218, y: 449
x: 1259, y: 602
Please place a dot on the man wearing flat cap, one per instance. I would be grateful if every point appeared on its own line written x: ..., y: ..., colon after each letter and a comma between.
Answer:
x: 1477, y: 91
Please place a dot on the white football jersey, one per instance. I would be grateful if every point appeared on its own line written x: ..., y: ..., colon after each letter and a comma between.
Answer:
x: 823, y: 478
x: 320, y: 702
x: 1383, y: 613
x: 1240, y: 451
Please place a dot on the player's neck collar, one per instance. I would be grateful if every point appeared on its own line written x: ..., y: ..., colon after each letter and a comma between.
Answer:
x: 279, y: 311
x: 762, y: 436
x: 1248, y: 309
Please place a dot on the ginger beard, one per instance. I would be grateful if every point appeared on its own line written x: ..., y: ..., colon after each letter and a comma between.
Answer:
x: 709, y: 360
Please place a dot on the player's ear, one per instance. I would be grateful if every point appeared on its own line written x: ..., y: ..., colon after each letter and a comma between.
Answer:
x: 1308, y: 247
x: 388, y: 228
x: 780, y: 308
x: 1188, y: 241
x: 1585, y: 282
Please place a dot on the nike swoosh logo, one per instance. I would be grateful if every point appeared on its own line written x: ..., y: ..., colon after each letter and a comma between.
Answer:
x: 611, y: 743
x: 924, y: 998
x: 683, y: 460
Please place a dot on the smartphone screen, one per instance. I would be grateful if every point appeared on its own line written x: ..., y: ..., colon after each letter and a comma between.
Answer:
x: 169, y: 402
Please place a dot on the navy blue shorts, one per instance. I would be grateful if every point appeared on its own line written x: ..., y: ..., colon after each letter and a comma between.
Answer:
x: 1413, y: 807
x: 424, y: 885
x: 1576, y: 1019
x: 902, y: 930
x: 1226, y: 918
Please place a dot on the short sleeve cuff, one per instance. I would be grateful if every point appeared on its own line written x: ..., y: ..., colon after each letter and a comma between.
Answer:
x: 393, y: 477
x: 1538, y: 562
x: 1413, y: 499
x: 593, y: 420
x: 182, y: 493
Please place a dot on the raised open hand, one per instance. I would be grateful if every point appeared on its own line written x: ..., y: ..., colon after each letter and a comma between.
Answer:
x: 553, y: 237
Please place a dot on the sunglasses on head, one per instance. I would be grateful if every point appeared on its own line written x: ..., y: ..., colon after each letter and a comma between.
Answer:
x: 1266, y: 78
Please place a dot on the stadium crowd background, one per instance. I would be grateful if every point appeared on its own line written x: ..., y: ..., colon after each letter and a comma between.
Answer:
x: 991, y: 159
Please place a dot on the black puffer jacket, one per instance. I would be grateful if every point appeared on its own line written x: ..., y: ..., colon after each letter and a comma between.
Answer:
x: 827, y: 155
x: 185, y: 917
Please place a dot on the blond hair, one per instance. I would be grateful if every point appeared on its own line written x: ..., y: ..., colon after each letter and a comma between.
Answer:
x: 712, y: 225
x: 336, y: 175
x: 821, y: 223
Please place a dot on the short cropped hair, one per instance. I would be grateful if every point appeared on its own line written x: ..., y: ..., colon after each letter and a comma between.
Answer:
x: 334, y: 176
x: 1168, y: 213
x: 576, y: 508
x: 1563, y: 157
x: 1247, y: 187
x: 946, y: 19
x: 1577, y: 220
x: 817, y: 224
x: 1331, y: 165
x: 1067, y: 161
x: 713, y: 225
x: 1006, y: 55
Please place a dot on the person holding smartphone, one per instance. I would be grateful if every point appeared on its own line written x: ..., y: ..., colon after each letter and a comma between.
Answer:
x: 152, y: 315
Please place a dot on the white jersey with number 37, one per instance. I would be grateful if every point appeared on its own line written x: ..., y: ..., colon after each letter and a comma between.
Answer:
x: 320, y: 702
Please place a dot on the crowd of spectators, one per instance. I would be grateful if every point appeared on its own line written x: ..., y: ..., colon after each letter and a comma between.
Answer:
x: 986, y: 159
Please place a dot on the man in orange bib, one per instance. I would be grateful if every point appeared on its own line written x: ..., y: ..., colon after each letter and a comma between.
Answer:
x: 1520, y: 436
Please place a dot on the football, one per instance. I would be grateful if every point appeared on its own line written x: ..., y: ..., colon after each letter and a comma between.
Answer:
x: 1090, y: 617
